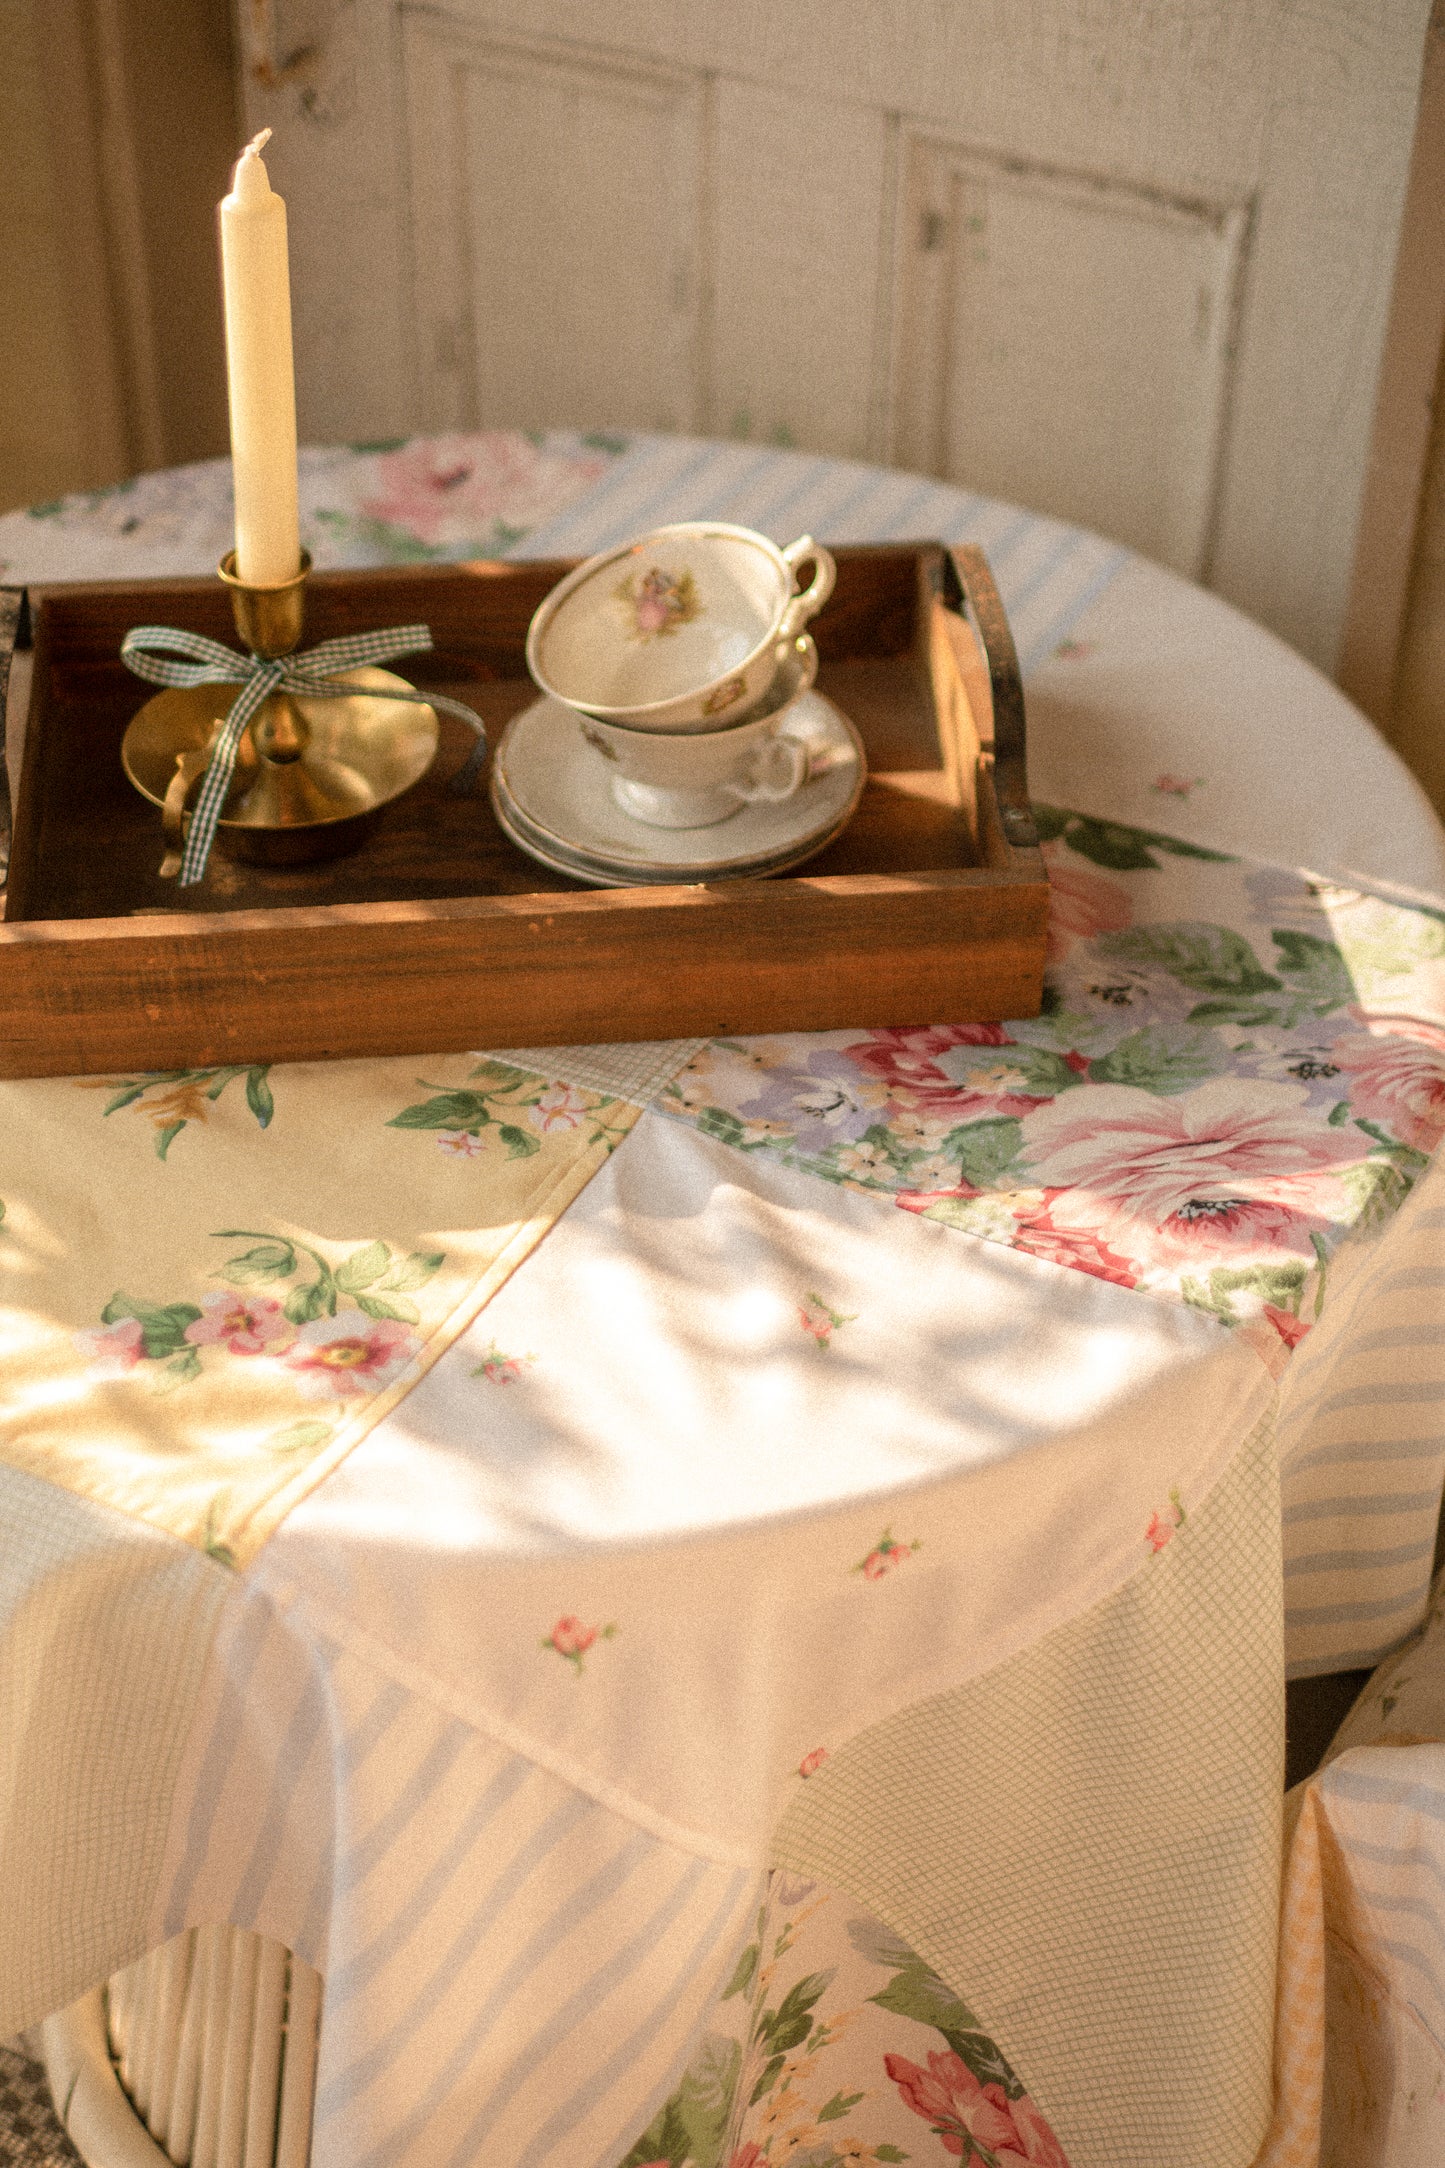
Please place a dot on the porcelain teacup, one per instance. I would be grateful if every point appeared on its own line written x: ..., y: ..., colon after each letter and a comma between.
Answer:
x: 692, y: 779
x: 681, y: 631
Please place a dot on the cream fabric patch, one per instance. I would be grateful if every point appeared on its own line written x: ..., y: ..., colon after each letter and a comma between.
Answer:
x: 1086, y: 1843
x: 214, y: 1282
x: 105, y: 1630
x: 635, y: 1071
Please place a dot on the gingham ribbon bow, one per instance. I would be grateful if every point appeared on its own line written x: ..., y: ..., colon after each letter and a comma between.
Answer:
x: 210, y: 663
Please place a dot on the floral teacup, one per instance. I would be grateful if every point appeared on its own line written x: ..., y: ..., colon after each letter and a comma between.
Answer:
x: 682, y: 631
x: 692, y: 779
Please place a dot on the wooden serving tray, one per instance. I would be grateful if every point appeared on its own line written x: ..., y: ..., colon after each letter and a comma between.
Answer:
x: 438, y: 933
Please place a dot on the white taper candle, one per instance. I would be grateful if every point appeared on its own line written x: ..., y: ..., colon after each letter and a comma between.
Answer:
x: 260, y: 376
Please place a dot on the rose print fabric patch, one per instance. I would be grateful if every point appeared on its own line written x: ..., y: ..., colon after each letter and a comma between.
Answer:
x: 418, y: 500
x: 280, y: 1254
x: 834, y: 2045
x: 1238, y: 1070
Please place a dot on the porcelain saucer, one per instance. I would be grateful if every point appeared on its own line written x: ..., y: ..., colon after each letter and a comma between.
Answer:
x: 559, y: 808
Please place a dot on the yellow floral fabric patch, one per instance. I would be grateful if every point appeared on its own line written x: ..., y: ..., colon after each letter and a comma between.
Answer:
x: 214, y: 1282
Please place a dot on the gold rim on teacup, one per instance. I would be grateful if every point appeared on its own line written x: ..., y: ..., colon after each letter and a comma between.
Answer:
x: 681, y: 631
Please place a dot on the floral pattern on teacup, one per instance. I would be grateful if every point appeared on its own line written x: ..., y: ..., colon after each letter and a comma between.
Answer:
x: 656, y: 603
x: 722, y: 696
x: 597, y: 742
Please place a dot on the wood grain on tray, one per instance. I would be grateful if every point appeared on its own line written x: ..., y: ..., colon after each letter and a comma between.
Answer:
x: 438, y: 933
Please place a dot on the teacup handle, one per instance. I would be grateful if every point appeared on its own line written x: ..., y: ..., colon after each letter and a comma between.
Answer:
x: 805, y: 655
x: 782, y: 765
x: 811, y: 600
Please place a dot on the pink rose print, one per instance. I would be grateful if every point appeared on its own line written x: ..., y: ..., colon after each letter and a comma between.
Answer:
x: 1162, y: 1525
x: 560, y: 1107
x: 1081, y: 903
x: 1290, y: 1328
x: 500, y: 1369
x: 460, y: 1143
x: 1396, y: 1071
x: 113, y: 1350
x: 1040, y: 2147
x: 1033, y: 1230
x: 1176, y: 786
x: 1074, y: 650
x: 245, y: 1324
x: 653, y: 594
x: 1257, y: 1332
x: 961, y: 1071
x: 812, y: 1762
x: 571, y: 1639
x: 1235, y: 1166
x: 819, y: 1322
x: 1079, y: 1248
x: 750, y: 2155
x: 884, y: 1555
x: 342, y: 1357
x: 980, y: 2118
x: 454, y: 487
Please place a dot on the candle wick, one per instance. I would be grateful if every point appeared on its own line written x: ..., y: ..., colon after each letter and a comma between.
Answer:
x: 251, y: 183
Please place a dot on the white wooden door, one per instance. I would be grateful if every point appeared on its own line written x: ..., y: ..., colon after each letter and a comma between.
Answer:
x: 1122, y: 262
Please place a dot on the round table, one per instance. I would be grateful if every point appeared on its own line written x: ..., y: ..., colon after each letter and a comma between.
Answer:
x: 773, y: 1673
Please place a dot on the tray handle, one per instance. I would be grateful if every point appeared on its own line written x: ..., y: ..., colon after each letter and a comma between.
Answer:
x: 969, y: 587
x: 14, y: 633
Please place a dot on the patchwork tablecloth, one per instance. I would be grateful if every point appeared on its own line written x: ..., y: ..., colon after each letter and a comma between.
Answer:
x: 732, y: 1592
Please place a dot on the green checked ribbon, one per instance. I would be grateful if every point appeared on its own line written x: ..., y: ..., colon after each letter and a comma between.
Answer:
x: 310, y: 674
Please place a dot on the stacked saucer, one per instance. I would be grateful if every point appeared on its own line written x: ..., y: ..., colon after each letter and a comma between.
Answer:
x: 679, y: 736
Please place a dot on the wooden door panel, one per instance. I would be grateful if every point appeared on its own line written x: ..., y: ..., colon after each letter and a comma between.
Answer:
x: 803, y: 204
x: 1065, y: 340
x: 1168, y: 323
x: 556, y: 205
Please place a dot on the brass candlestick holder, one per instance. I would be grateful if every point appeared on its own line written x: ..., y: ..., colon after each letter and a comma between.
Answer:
x: 313, y: 771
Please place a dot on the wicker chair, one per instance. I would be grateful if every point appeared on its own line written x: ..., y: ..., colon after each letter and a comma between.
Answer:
x: 201, y: 2055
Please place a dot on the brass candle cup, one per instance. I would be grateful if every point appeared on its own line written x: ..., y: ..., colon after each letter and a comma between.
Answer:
x: 312, y: 774
x: 268, y: 619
